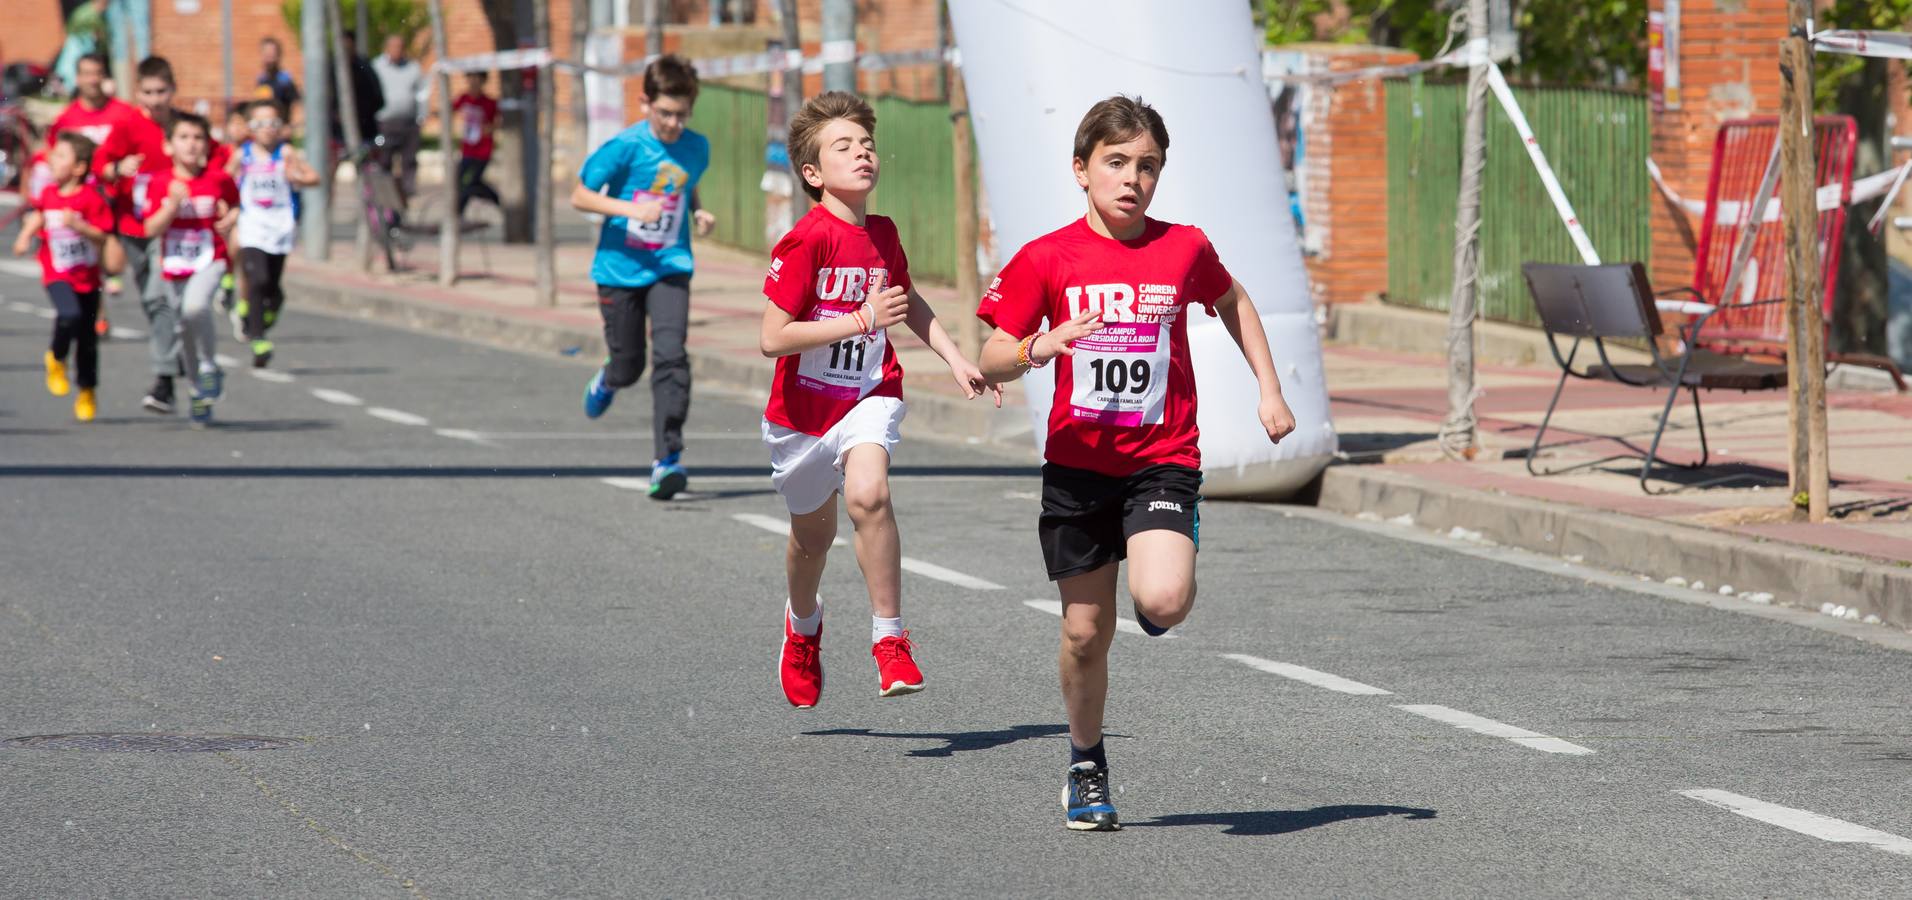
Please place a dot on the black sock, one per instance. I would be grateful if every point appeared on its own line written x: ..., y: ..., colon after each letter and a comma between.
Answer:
x: 1093, y: 754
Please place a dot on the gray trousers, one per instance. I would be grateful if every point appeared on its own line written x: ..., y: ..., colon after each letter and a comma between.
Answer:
x: 401, y: 138
x: 192, y: 301
x: 666, y: 306
x: 142, y: 278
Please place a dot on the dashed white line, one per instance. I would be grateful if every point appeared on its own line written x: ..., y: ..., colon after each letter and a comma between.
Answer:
x: 462, y: 434
x: 45, y: 313
x: 950, y: 576
x: 126, y: 334
x: 398, y: 416
x: 274, y: 377
x: 1306, y: 675
x: 1825, y: 828
x: 224, y: 361
x: 767, y: 523
x: 1054, y: 608
x: 340, y: 398
x: 1482, y: 725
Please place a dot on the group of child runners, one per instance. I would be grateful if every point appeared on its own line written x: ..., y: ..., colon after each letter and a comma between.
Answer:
x: 146, y: 192
x: 143, y: 194
x: 1102, y: 298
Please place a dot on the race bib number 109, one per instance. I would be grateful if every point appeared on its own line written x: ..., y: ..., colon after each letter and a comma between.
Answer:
x: 1121, y: 375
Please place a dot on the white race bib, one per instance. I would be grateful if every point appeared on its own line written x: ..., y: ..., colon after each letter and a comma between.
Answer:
x: 185, y: 251
x: 140, y: 182
x: 1121, y: 374
x: 474, y: 125
x: 661, y: 233
x: 847, y: 369
x: 68, y: 250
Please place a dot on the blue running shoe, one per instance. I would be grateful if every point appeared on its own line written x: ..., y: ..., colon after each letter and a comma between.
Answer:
x: 201, y: 412
x: 1085, y: 799
x: 668, y: 477
x: 1148, y: 627
x: 597, y: 397
x: 211, y: 383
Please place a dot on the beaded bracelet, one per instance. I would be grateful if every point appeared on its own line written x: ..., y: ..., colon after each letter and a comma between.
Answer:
x: 1022, y: 352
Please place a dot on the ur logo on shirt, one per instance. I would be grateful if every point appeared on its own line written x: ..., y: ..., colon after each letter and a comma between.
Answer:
x: 849, y: 284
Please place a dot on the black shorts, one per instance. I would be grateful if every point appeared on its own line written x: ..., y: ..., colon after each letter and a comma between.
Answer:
x: 1088, y: 517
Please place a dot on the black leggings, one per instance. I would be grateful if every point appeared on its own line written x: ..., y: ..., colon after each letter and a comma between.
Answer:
x: 264, y: 297
x: 471, y: 183
x: 666, y: 306
x: 74, y: 316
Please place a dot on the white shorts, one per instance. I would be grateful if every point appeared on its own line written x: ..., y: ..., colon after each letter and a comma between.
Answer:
x: 806, y: 469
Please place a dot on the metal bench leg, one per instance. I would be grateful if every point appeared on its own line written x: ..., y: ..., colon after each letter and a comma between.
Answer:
x: 1705, y: 454
x: 1533, y: 452
x: 1653, y: 451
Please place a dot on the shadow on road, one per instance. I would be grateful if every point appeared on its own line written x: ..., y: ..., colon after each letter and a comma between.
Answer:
x: 957, y: 741
x: 1262, y: 823
x: 84, y: 471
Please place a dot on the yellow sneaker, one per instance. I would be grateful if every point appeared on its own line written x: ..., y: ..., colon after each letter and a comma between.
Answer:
x: 56, y: 383
x: 84, y: 409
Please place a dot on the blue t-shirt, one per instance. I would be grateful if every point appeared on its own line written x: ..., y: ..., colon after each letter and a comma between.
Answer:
x: 636, y: 166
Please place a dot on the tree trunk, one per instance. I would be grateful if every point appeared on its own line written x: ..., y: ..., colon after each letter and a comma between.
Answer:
x: 1459, y: 432
x: 1805, y: 352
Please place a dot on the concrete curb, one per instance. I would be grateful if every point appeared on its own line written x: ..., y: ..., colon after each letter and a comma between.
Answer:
x: 931, y: 416
x: 1795, y: 576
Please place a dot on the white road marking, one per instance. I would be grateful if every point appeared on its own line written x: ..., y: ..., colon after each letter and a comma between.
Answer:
x: 126, y: 334
x: 767, y: 523
x: 1306, y: 675
x: 1825, y: 828
x: 629, y: 484
x: 949, y: 576
x: 398, y: 416
x: 1481, y: 725
x: 1054, y: 608
x: 461, y: 434
x: 18, y: 306
x: 339, y: 397
x: 26, y: 268
x: 224, y: 361
x: 274, y: 377
x: 611, y: 436
x: 45, y: 313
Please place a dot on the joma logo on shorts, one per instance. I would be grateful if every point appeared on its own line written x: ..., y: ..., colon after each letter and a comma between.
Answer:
x: 1160, y: 505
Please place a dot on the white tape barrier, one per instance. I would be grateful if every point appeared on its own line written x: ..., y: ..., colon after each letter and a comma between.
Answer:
x: 1330, y: 79
x: 709, y: 67
x: 1877, y: 44
x: 1884, y: 184
x: 1498, y: 84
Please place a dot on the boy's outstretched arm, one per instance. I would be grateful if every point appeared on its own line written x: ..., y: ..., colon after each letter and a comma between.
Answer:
x: 584, y: 199
x: 922, y: 320
x: 29, y: 227
x: 1238, y: 315
x: 783, y: 335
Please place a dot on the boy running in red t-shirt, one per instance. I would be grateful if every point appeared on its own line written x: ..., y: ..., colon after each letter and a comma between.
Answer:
x: 837, y: 281
x: 477, y: 122
x: 193, y: 206
x: 72, y: 221
x: 1123, y: 472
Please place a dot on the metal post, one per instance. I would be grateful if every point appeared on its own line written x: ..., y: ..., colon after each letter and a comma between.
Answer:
x: 968, y: 284
x: 653, y: 28
x: 317, y: 224
x: 546, y: 262
x: 448, y: 233
x: 839, y: 45
x: 363, y: 33
x: 1806, y: 334
x: 1459, y: 436
x: 348, y: 122
x: 793, y: 96
x: 225, y: 54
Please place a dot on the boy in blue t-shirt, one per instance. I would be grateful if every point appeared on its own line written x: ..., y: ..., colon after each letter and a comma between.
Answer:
x: 644, y: 183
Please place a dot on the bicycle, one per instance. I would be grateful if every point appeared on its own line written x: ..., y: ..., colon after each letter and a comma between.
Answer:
x: 382, y: 200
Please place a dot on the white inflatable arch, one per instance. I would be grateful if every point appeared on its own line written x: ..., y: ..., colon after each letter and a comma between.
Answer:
x: 1033, y: 68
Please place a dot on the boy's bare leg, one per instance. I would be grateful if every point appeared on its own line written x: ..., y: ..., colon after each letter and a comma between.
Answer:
x: 1088, y: 625
x: 866, y: 493
x: 810, y: 537
x: 1162, y: 575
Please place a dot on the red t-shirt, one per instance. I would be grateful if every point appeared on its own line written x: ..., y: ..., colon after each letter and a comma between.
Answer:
x: 102, y: 125
x: 190, y: 243
x: 1126, y: 400
x: 133, y: 199
x: 474, y: 113
x: 64, y: 254
x: 826, y: 268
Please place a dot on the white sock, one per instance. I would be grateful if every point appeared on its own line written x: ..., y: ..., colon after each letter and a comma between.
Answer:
x: 808, y: 625
x: 881, y: 628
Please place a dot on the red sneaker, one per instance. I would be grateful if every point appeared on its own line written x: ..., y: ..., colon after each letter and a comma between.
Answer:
x: 799, y: 666
x: 896, y: 672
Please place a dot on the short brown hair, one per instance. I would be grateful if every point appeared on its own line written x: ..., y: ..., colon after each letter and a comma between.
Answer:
x: 1118, y: 120
x: 671, y: 75
x: 807, y: 128
x: 82, y: 145
x: 185, y: 118
x: 157, y: 67
x: 253, y: 108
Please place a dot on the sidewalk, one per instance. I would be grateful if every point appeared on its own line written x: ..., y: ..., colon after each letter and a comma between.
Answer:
x: 1387, y: 405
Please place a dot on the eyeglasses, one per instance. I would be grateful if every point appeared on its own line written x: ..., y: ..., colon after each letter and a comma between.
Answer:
x: 262, y: 124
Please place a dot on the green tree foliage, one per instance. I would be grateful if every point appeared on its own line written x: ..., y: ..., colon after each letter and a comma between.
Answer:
x: 405, y: 18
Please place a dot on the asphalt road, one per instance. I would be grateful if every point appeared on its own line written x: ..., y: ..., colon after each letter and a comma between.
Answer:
x: 505, y: 676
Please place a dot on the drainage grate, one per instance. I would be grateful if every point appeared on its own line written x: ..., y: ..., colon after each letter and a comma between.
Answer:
x: 149, y: 742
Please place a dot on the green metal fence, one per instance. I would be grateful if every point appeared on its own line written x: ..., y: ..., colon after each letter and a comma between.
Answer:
x: 1597, y: 142
x: 917, y: 186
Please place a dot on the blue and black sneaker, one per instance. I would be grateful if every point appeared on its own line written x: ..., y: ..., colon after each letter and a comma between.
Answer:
x: 668, y: 477
x: 1085, y: 799
x: 597, y: 396
x: 1149, y: 628
x: 211, y: 383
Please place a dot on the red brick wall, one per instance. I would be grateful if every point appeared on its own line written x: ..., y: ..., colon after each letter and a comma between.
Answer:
x: 1729, y: 68
x: 34, y: 32
x: 1345, y: 202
